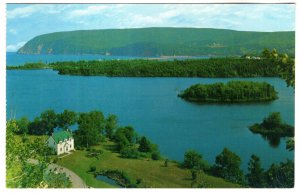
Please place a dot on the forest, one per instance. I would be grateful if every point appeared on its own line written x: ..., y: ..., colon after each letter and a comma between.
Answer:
x: 161, y: 41
x: 213, y: 67
x: 233, y: 91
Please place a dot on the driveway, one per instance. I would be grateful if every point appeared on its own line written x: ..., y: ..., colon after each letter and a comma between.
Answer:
x: 77, y: 182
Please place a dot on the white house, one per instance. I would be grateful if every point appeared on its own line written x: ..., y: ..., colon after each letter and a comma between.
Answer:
x: 61, y: 141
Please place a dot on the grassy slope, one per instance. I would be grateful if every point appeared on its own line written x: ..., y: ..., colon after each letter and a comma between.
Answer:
x: 160, y: 41
x: 153, y: 173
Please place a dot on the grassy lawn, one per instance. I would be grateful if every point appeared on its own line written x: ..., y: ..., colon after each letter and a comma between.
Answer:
x: 153, y: 173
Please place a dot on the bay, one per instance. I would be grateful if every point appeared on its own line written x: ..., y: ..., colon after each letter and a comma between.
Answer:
x: 152, y: 107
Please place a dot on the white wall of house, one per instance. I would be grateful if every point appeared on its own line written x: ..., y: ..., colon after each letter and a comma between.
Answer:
x: 63, y: 146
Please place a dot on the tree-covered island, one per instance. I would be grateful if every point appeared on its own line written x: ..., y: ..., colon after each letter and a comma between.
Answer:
x: 231, y: 92
x: 211, y: 68
x: 214, y: 67
x: 273, y: 128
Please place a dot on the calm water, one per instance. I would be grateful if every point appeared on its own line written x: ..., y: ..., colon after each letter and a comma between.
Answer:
x: 14, y: 59
x: 152, y: 107
x: 108, y: 180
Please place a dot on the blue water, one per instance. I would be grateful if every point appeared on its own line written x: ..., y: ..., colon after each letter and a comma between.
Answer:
x: 108, y: 180
x: 152, y: 107
x: 14, y: 59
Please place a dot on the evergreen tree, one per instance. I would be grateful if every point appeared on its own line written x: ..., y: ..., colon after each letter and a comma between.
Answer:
x: 145, y: 145
x: 256, y: 177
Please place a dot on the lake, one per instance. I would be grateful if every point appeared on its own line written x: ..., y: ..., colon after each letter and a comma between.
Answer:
x: 152, y: 107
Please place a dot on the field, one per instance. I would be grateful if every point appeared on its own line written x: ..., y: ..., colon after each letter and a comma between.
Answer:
x: 152, y: 173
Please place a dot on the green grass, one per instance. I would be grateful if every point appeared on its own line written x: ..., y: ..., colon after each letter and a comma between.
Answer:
x: 153, y: 173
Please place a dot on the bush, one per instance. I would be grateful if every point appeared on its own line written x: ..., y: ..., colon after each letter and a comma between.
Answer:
x: 55, y: 160
x: 139, y: 181
x: 166, y: 163
x: 92, y: 169
x: 129, y: 152
x: 155, y: 155
x: 193, y: 160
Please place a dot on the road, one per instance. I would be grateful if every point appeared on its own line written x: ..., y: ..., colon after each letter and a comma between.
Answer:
x: 77, y: 182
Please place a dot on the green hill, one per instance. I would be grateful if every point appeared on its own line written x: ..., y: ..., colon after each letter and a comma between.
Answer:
x: 160, y: 42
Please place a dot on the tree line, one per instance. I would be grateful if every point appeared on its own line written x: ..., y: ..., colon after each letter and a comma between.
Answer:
x: 92, y: 128
x: 213, y: 67
x: 233, y: 91
x: 227, y: 166
x: 29, y: 66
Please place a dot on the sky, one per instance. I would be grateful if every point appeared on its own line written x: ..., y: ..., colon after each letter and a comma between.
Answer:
x: 25, y: 21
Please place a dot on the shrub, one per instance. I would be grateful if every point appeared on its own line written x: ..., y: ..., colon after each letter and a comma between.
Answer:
x: 155, y: 155
x: 92, y: 169
x: 139, y: 181
x: 193, y: 160
x: 129, y: 152
x: 55, y: 160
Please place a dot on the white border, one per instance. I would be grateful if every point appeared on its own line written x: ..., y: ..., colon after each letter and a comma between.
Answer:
x: 135, y: 191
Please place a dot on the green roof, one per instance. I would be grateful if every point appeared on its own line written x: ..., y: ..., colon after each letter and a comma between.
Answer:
x: 61, y: 136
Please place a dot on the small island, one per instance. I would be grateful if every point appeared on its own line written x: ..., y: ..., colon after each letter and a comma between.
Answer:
x: 231, y: 92
x: 273, y: 126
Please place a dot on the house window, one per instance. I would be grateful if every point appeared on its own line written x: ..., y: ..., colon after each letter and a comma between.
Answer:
x: 70, y: 145
x: 61, y: 149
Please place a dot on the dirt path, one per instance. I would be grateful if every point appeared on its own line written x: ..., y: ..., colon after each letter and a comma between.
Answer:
x: 77, y: 182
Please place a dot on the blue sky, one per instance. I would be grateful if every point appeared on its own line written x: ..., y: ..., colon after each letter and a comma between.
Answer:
x: 25, y: 21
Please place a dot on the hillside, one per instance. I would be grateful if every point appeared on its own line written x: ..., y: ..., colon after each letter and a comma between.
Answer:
x: 160, y: 42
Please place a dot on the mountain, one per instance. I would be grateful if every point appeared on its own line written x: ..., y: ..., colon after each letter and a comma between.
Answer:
x: 160, y: 42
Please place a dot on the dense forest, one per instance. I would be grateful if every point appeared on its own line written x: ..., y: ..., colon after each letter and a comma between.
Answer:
x: 214, y: 67
x: 160, y: 42
x: 233, y: 91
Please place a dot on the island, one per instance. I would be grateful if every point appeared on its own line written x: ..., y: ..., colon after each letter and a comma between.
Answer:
x: 209, y: 68
x: 273, y: 125
x: 230, y: 92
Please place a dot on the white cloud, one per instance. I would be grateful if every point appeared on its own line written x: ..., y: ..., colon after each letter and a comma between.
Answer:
x: 15, y: 47
x: 88, y: 11
x: 21, y: 12
x: 27, y: 11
